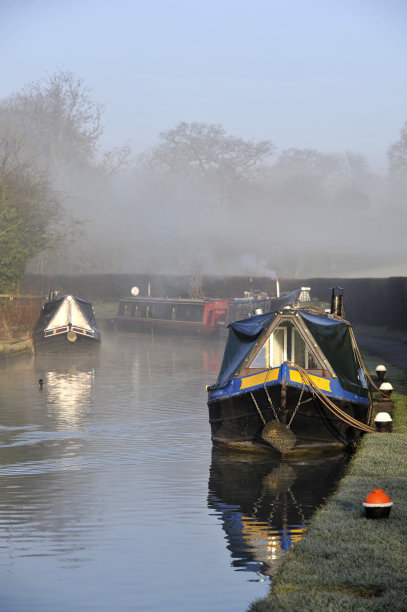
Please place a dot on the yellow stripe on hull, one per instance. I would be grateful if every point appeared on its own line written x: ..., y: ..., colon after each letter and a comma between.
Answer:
x: 259, y: 379
x: 272, y: 375
x: 322, y: 383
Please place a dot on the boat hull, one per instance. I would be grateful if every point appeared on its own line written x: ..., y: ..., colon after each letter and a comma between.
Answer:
x: 239, y: 418
x: 60, y: 345
x: 132, y: 325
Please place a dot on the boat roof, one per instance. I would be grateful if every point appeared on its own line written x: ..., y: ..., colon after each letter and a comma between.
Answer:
x: 331, y: 334
x: 198, y: 301
x: 277, y: 302
x: 66, y: 309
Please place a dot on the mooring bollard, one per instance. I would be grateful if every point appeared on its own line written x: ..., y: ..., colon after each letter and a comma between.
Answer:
x: 386, y: 388
x: 381, y: 371
x: 383, y: 422
x: 377, y: 504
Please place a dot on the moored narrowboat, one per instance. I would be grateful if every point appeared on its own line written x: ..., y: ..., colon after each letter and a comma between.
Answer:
x: 291, y: 380
x: 257, y: 302
x: 66, y: 325
x: 195, y: 316
x: 205, y: 316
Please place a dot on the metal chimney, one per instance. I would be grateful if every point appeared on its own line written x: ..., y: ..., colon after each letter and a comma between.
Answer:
x: 337, y: 301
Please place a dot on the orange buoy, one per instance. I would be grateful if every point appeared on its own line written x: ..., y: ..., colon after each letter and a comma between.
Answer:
x: 377, y: 504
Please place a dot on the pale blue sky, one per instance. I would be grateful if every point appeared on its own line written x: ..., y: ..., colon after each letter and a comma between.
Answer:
x: 329, y: 75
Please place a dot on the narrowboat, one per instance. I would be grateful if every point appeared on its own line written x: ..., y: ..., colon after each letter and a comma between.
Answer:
x: 258, y: 302
x: 195, y: 316
x: 66, y: 325
x: 206, y: 316
x: 291, y: 380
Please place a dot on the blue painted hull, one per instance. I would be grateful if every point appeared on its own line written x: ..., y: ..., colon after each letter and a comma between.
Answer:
x: 239, y: 411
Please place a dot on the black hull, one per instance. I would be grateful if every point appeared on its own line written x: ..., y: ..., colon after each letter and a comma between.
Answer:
x: 235, y: 421
x: 132, y: 325
x: 60, y: 345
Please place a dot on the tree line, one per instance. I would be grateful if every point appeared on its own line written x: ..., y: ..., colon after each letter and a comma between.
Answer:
x: 200, y: 201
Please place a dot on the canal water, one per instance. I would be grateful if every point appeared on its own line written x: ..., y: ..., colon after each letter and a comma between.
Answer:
x: 112, y: 498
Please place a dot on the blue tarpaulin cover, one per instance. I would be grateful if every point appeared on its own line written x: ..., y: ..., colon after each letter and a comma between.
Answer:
x: 241, y: 339
x: 332, y: 336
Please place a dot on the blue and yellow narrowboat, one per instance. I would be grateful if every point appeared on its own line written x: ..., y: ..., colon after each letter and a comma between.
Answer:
x: 291, y: 380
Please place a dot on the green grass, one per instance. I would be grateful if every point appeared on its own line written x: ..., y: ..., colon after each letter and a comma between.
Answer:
x: 345, y: 561
x: 103, y: 309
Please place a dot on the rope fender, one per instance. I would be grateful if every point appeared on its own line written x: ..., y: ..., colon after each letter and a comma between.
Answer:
x: 328, y: 403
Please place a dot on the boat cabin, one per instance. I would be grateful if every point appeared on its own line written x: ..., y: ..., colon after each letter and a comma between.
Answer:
x: 194, y: 314
x: 317, y: 342
x: 289, y: 340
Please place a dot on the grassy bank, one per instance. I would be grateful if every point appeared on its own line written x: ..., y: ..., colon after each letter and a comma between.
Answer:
x: 347, y: 562
x: 9, y: 349
x: 17, y: 318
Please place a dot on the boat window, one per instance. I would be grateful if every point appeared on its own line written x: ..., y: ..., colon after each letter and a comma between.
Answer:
x: 301, y: 353
x: 189, y: 312
x: 161, y: 311
x: 140, y: 310
x: 299, y: 350
x: 285, y: 344
x: 278, y: 346
x: 136, y: 310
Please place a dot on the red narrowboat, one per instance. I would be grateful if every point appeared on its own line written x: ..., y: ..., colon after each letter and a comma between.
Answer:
x: 197, y: 316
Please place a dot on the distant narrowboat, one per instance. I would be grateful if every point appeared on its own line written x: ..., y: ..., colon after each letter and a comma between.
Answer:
x: 258, y: 302
x: 196, y: 316
x: 66, y: 325
x: 206, y: 316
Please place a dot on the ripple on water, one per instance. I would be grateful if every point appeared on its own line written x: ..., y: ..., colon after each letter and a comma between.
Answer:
x: 108, y: 482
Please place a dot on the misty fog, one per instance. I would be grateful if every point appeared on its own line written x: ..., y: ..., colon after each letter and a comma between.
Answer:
x: 203, y: 201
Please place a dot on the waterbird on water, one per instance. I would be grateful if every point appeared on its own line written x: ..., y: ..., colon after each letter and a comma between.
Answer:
x: 40, y: 383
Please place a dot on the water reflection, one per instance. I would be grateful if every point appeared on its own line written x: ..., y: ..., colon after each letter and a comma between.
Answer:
x: 68, y: 394
x: 104, y: 485
x: 265, y: 504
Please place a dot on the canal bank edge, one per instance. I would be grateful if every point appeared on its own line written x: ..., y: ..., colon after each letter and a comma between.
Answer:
x: 11, y: 349
x: 345, y: 561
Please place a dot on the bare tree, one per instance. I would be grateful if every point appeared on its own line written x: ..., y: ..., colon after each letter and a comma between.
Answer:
x: 53, y: 128
x: 57, y: 118
x: 204, y: 153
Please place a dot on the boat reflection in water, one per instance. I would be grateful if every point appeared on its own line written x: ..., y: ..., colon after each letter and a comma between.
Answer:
x: 68, y: 388
x: 69, y: 394
x: 265, y: 504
